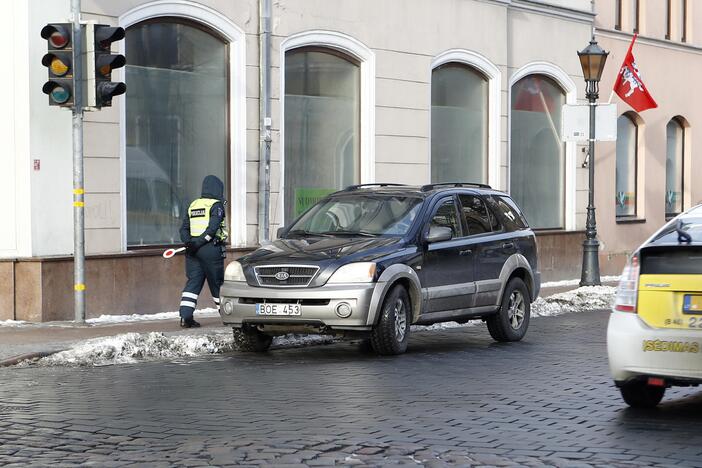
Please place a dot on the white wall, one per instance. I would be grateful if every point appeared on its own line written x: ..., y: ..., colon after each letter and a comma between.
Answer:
x: 50, y: 142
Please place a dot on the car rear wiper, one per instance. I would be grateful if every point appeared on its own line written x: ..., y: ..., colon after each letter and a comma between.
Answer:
x: 341, y: 232
x: 683, y: 236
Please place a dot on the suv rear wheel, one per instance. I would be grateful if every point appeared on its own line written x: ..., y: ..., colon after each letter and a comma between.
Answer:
x: 391, y: 334
x: 249, y: 339
x: 511, y: 321
x: 638, y: 394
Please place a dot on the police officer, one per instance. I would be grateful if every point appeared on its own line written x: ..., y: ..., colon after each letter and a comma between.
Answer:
x: 203, y: 233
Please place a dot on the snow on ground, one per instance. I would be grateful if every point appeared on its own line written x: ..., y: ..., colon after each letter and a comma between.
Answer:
x: 577, y: 300
x: 105, y: 319
x: 12, y: 323
x: 135, y: 347
x: 575, y: 282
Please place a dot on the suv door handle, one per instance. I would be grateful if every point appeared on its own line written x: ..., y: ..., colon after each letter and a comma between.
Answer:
x: 465, y: 252
x: 508, y: 245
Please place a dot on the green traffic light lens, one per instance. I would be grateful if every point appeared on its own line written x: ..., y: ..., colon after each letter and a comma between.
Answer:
x: 60, y: 95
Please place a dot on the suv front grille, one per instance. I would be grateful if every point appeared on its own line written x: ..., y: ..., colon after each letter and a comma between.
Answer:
x: 283, y: 276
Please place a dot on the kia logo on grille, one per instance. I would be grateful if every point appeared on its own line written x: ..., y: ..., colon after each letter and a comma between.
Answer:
x: 282, y: 275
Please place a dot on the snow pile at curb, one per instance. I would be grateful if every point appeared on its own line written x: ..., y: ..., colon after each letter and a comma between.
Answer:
x: 577, y: 300
x: 135, y: 347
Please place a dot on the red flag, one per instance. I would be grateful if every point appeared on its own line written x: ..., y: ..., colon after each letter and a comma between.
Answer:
x: 630, y: 87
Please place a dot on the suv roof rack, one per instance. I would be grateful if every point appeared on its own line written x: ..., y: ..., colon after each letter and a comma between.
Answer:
x: 383, y: 184
x: 426, y: 188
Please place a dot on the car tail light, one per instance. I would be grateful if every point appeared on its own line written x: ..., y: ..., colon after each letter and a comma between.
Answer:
x: 628, y: 289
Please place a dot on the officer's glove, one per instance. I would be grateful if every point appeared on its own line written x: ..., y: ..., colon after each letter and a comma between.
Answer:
x: 191, y: 247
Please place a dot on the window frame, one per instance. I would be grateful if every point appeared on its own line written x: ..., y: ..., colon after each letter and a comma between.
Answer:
x: 167, y: 19
x: 681, y: 125
x: 492, y: 73
x: 569, y: 89
x: 636, y: 170
x: 618, y: 15
x: 235, y: 37
x: 353, y: 48
x: 486, y: 156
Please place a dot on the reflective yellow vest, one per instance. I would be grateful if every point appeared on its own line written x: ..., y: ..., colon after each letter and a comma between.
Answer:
x: 199, y: 214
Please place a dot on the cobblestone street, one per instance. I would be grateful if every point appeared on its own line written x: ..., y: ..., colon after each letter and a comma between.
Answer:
x: 455, y: 398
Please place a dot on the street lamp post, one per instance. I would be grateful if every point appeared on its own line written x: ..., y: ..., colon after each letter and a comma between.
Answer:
x: 592, y: 60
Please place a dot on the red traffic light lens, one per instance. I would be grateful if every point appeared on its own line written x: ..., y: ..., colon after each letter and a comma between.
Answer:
x: 60, y: 94
x: 58, y: 40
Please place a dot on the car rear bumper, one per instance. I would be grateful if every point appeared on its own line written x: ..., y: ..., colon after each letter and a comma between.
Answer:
x: 319, y: 305
x: 636, y: 350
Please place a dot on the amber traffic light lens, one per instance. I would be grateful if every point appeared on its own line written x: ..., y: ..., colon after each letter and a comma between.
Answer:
x: 58, y: 40
x: 105, y: 70
x: 58, y: 67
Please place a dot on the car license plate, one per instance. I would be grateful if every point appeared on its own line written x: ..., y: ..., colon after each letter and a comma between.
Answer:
x: 692, y: 304
x: 278, y: 309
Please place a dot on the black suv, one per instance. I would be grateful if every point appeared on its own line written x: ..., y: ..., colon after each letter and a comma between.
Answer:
x: 376, y: 258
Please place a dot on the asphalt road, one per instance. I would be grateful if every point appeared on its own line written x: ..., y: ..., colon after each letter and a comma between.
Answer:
x: 455, y: 398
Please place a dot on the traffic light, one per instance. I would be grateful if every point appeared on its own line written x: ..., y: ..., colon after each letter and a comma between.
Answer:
x: 59, y: 61
x: 101, y: 61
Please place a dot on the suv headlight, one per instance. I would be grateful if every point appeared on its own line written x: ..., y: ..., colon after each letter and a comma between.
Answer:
x: 234, y: 272
x: 361, y: 272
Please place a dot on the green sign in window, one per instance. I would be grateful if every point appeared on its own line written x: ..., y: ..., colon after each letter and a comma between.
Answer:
x: 306, y: 197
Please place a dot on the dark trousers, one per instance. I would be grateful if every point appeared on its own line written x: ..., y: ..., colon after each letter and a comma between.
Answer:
x: 206, y: 264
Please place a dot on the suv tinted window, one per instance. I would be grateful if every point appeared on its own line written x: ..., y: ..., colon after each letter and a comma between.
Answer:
x: 477, y: 215
x: 508, y: 211
x: 445, y: 215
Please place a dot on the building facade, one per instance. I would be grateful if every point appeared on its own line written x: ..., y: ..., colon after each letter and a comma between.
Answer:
x: 405, y: 91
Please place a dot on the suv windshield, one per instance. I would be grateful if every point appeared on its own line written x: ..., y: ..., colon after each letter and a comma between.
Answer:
x: 362, y: 215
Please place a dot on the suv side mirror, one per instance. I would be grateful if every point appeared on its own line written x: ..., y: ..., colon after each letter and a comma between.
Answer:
x: 279, y: 232
x: 439, y: 234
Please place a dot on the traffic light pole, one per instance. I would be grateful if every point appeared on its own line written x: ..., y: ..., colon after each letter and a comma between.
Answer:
x: 78, y: 190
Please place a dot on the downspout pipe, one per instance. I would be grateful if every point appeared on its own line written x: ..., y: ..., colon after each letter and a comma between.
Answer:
x: 264, y: 170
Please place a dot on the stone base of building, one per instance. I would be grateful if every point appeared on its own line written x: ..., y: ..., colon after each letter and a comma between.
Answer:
x: 139, y: 282
x: 143, y: 282
x: 561, y: 256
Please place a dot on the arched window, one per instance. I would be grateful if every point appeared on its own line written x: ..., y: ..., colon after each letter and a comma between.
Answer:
x: 322, y: 125
x: 176, y: 123
x: 459, y: 124
x: 674, y: 167
x: 627, y: 143
x: 537, y: 154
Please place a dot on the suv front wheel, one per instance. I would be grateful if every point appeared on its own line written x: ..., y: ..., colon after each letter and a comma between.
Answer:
x: 391, y: 333
x: 511, y: 321
x: 249, y: 339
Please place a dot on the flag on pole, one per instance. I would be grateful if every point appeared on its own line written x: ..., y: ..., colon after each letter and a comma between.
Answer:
x: 630, y: 87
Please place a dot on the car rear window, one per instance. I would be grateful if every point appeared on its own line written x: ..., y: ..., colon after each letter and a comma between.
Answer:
x: 671, y: 260
x: 509, y: 213
x: 669, y: 234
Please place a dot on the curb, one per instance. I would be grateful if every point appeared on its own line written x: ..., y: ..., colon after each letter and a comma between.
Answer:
x: 26, y: 357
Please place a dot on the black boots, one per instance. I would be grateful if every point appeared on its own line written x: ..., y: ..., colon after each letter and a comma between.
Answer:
x: 189, y: 323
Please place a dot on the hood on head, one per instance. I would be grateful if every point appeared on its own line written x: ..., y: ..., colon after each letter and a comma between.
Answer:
x: 213, y: 187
